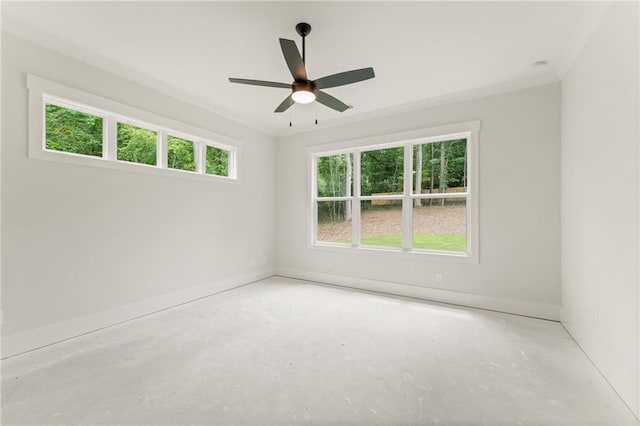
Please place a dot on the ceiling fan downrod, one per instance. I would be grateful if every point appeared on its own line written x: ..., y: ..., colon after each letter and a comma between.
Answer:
x: 303, y: 29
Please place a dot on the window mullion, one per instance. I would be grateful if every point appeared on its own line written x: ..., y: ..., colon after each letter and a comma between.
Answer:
x: 162, y: 152
x: 199, y: 153
x: 110, y: 148
x: 355, y: 206
x: 314, y: 200
x: 231, y: 163
x: 407, y: 202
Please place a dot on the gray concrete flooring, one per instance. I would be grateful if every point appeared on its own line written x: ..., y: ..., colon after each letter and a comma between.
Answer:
x: 290, y: 352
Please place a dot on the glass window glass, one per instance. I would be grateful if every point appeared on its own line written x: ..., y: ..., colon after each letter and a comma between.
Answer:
x: 382, y: 171
x: 73, y: 131
x: 440, y: 224
x: 217, y: 161
x: 180, y: 154
x: 440, y: 167
x: 381, y: 223
x: 334, y: 221
x: 335, y: 175
x: 136, y: 144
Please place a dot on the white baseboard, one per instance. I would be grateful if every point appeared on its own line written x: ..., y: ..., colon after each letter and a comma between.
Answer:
x: 22, y: 342
x: 510, y: 306
x: 620, y: 378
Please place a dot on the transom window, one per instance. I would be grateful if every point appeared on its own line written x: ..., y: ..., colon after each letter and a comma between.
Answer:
x: 77, y: 129
x: 412, y: 196
x: 73, y: 126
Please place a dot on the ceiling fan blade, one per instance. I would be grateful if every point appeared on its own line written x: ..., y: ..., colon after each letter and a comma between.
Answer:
x: 343, y: 78
x: 260, y: 83
x: 333, y: 103
x: 285, y: 104
x: 293, y: 59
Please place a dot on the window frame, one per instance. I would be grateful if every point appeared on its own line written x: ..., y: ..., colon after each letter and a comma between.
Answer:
x: 407, y: 140
x: 43, y: 92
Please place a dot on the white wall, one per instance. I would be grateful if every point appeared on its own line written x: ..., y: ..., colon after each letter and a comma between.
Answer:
x: 519, y: 269
x: 600, y: 186
x: 79, y: 240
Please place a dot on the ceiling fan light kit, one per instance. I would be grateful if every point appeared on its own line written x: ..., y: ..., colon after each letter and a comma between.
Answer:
x: 303, y: 90
x: 303, y: 94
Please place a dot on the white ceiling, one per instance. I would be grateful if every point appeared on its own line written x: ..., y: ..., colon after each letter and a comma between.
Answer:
x: 419, y: 50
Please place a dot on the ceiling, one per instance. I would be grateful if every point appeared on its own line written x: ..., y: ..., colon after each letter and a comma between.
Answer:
x: 420, y: 50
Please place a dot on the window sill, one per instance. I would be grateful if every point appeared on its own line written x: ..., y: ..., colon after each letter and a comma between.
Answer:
x: 88, y: 161
x: 440, y: 256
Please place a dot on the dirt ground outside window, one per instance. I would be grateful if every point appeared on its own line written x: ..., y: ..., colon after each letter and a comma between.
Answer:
x: 427, y: 220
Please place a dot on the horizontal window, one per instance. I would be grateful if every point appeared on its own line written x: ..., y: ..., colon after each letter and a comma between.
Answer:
x: 73, y: 126
x: 410, y: 196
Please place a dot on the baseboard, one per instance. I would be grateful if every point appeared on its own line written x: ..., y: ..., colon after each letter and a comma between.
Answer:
x: 620, y: 379
x: 510, y: 306
x: 26, y: 341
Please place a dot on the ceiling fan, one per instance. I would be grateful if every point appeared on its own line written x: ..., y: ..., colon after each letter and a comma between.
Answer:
x: 303, y: 90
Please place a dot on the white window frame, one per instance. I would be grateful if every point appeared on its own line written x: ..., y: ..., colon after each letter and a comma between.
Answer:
x: 43, y: 92
x: 467, y: 130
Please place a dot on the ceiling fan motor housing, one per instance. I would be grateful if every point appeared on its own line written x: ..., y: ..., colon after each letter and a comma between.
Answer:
x: 303, y: 29
x: 307, y: 85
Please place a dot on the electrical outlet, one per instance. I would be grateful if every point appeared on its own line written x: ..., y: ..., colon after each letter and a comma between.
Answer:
x: 439, y: 277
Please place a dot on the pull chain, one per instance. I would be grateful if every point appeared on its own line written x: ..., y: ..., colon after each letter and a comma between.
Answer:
x: 316, y: 113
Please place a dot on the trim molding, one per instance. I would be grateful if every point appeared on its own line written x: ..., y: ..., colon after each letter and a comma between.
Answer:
x: 18, y: 343
x: 620, y: 378
x: 510, y: 306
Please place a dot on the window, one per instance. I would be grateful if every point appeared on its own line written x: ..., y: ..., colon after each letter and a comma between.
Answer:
x: 381, y: 189
x: 137, y: 145
x: 334, y: 184
x: 414, y: 196
x: 69, y: 125
x: 73, y: 131
x: 217, y: 161
x: 181, y: 154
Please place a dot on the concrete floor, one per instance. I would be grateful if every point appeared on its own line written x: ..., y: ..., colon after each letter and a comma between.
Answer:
x: 288, y: 352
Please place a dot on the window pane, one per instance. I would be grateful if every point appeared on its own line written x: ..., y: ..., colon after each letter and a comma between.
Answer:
x: 136, y: 144
x: 180, y: 154
x: 381, y: 223
x: 335, y: 175
x: 440, y: 224
x: 334, y: 221
x: 382, y: 171
x: 217, y: 161
x: 440, y: 167
x: 73, y: 131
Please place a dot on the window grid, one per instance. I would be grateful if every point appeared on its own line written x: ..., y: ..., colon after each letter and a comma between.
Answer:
x: 407, y: 197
